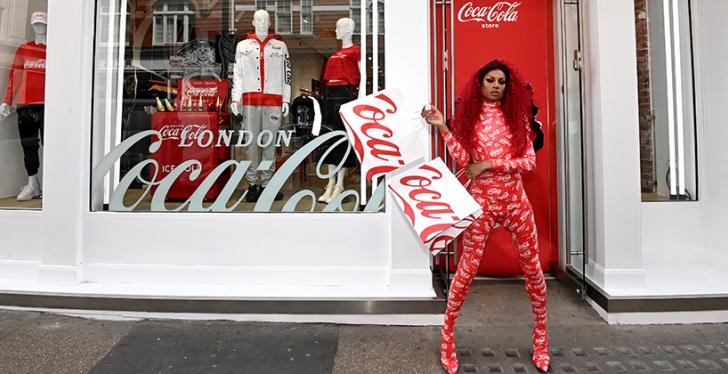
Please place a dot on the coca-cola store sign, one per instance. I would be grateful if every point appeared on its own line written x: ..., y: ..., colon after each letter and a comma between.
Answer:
x: 489, y: 14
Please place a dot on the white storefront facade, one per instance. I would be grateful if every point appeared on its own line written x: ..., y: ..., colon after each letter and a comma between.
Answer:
x: 641, y: 261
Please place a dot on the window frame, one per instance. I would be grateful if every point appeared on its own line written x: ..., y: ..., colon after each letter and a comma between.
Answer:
x: 300, y: 15
x: 278, y: 13
x: 162, y: 15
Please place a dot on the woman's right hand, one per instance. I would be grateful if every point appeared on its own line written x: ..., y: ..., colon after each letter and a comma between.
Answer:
x: 433, y: 117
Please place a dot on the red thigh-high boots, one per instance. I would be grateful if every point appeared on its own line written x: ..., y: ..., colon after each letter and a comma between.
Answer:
x: 473, y: 242
x: 523, y: 230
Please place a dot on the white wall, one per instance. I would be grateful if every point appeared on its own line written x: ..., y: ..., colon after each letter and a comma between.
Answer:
x: 691, y: 237
x: 712, y: 44
x: 612, y: 141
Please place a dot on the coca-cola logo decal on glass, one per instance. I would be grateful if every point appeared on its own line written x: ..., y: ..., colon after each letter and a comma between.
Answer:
x: 176, y: 131
x: 490, y: 16
x: 202, y: 91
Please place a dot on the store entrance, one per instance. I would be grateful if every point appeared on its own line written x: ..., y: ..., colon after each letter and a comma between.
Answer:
x: 468, y: 34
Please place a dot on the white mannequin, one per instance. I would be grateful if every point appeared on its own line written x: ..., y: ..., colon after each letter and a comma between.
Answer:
x: 344, y: 31
x: 40, y: 38
x: 38, y: 23
x: 261, y: 22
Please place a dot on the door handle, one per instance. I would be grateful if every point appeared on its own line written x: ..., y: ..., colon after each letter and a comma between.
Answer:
x: 577, y: 60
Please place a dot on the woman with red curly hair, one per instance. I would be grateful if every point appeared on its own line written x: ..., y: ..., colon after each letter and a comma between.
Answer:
x: 493, y: 143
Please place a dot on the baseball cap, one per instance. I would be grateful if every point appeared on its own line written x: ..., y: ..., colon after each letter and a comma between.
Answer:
x: 39, y: 17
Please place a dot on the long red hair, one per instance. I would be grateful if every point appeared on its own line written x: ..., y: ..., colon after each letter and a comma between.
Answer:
x: 515, y: 103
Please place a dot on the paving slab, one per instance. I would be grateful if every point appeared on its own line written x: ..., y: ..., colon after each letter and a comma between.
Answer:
x: 45, y: 343
x: 223, y: 347
x: 387, y: 349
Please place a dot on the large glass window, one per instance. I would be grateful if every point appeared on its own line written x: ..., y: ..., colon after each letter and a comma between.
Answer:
x: 198, y: 109
x: 666, y: 100
x: 23, y: 26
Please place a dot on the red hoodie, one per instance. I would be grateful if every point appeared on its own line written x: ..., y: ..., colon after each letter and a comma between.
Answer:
x: 27, y: 75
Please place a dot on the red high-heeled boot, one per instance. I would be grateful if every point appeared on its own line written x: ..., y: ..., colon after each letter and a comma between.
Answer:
x: 448, y: 356
x: 541, y: 358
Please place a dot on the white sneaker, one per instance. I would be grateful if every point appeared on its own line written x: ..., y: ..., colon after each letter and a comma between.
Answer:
x: 327, y: 194
x: 28, y: 192
x: 337, y: 190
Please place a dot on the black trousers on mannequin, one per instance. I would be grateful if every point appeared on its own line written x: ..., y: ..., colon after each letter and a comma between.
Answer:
x: 30, y: 127
x: 334, y: 97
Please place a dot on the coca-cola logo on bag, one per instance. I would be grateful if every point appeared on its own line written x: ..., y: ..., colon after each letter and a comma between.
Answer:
x: 202, y: 91
x: 422, y: 201
x: 377, y: 135
x: 490, y: 16
x: 175, y: 131
x: 39, y: 63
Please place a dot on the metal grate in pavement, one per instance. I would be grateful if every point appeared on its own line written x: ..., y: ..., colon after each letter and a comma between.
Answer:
x: 680, y: 358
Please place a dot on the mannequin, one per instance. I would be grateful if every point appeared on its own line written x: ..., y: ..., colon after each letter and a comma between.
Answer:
x: 342, y: 75
x: 261, y: 94
x: 26, y: 86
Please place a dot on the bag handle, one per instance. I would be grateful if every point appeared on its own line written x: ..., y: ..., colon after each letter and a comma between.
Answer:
x: 459, y: 175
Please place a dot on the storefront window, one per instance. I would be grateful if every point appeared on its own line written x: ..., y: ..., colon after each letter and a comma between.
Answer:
x: 666, y: 100
x: 23, y: 26
x: 230, y: 106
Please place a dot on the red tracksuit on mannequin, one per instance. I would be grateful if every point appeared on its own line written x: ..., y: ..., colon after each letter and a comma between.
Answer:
x: 501, y: 194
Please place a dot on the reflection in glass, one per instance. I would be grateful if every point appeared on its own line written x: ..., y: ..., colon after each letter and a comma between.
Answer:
x: 175, y: 130
x: 666, y: 100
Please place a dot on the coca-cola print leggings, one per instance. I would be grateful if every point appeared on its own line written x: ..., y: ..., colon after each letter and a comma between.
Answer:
x: 504, y: 203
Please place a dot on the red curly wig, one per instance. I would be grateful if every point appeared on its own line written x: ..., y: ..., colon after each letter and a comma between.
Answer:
x: 515, y: 103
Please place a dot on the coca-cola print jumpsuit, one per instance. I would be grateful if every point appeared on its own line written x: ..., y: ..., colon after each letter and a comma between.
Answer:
x: 501, y: 194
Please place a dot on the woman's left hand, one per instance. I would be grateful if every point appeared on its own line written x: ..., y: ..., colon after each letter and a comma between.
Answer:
x: 474, y: 170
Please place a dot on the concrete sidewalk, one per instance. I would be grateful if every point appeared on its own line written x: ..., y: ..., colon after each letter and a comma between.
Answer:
x: 493, y: 336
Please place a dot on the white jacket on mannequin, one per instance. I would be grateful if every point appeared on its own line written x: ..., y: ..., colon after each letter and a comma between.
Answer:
x: 266, y: 71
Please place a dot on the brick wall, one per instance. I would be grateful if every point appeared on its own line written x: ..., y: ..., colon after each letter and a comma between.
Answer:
x: 647, y: 149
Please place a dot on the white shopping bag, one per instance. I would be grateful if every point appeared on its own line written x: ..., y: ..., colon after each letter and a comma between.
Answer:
x: 434, y: 201
x: 385, y: 135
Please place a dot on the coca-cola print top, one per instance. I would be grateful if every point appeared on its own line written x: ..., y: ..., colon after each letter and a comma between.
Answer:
x: 493, y: 142
x: 343, y: 66
x: 26, y: 80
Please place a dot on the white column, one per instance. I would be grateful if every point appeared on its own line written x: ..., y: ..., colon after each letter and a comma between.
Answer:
x: 612, y: 141
x: 410, y: 264
x: 67, y: 132
x: 712, y: 78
